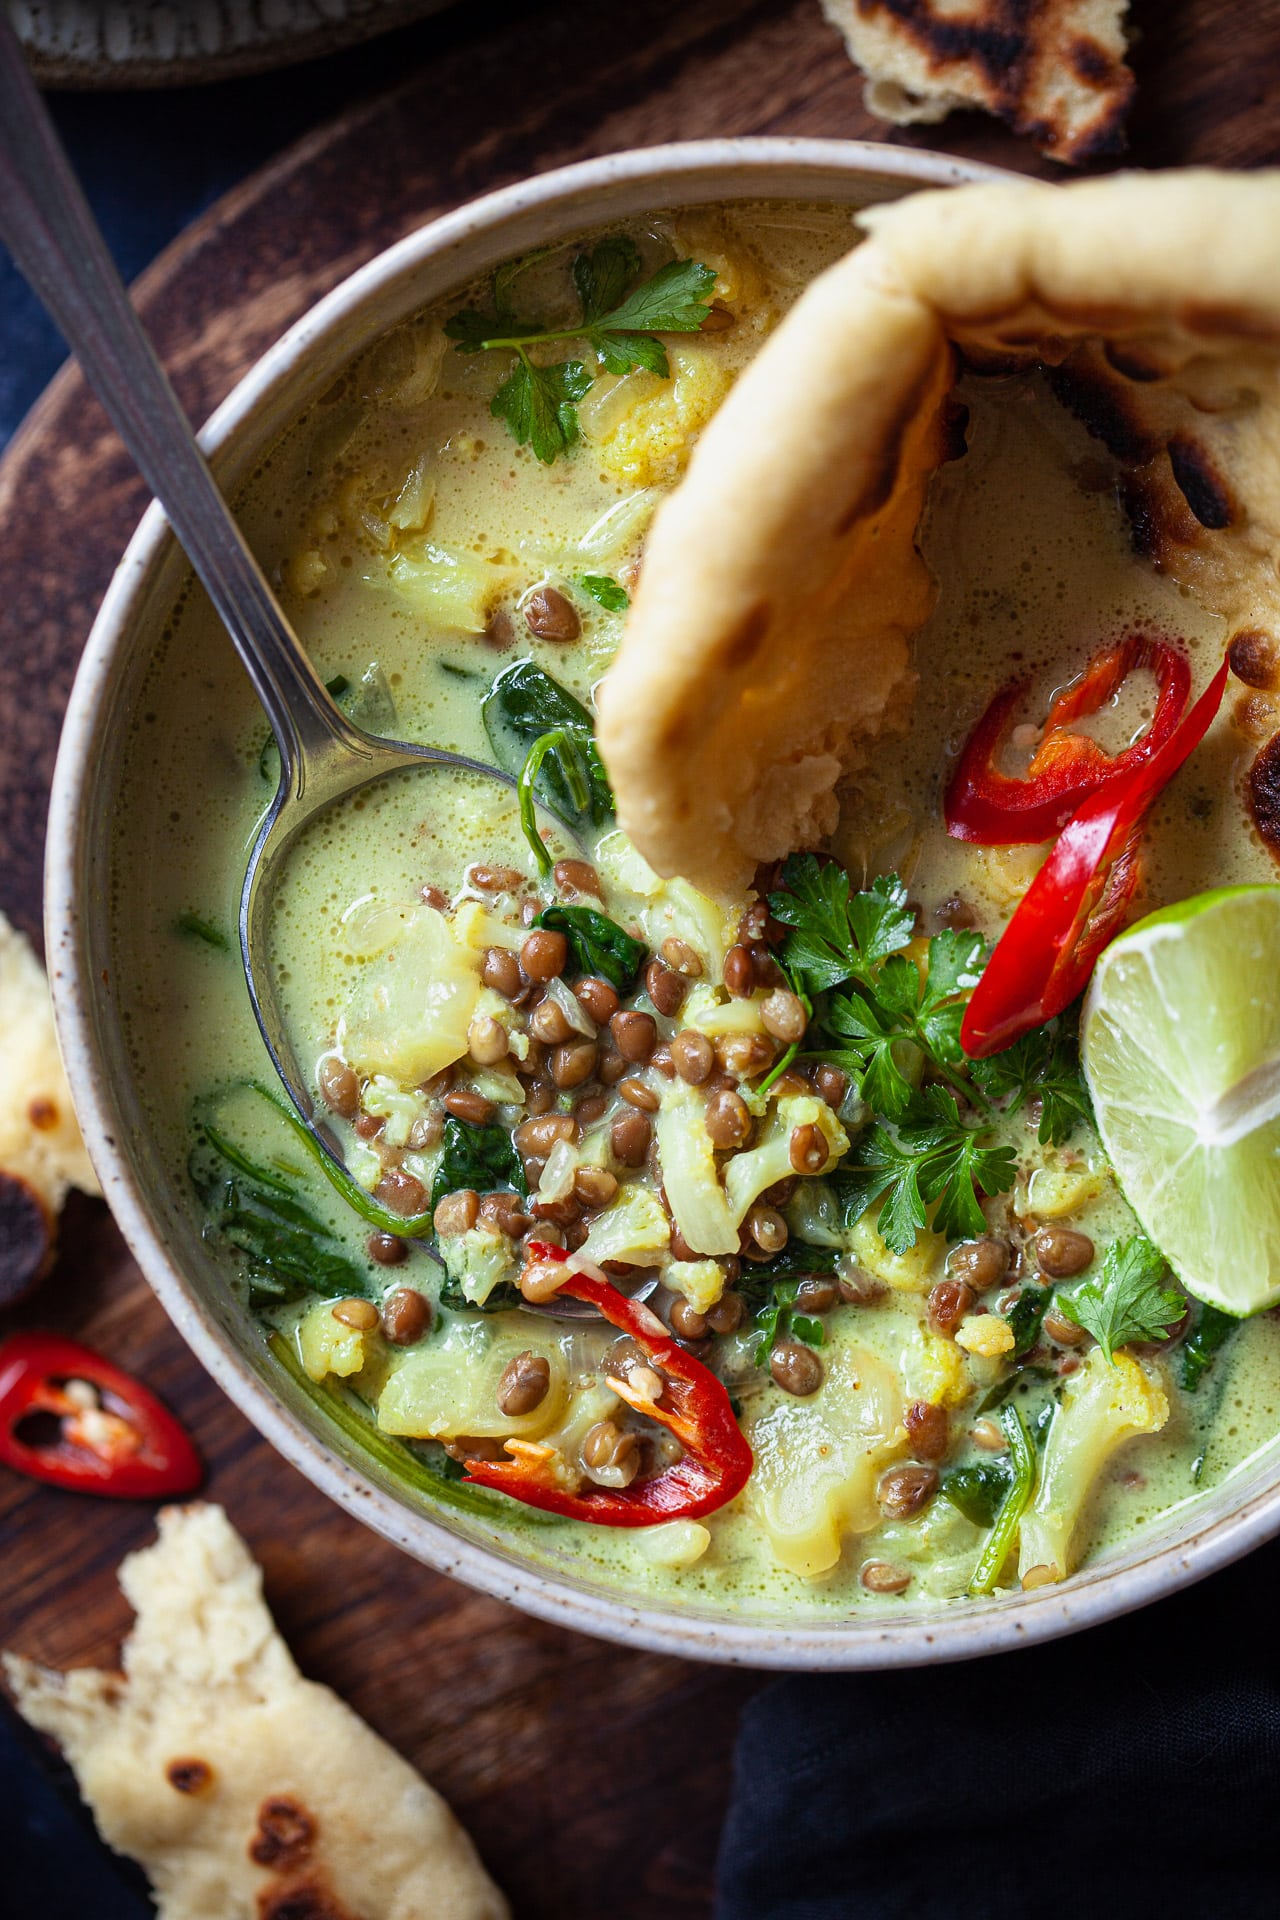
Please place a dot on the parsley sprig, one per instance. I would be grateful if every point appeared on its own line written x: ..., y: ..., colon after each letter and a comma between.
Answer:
x: 1128, y: 1300
x: 930, y: 1158
x: 538, y: 401
x: 1044, y: 1064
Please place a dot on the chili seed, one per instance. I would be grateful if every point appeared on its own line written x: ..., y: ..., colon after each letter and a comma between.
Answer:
x: 401, y: 1192
x: 665, y: 988
x: 550, y: 616
x: 464, y: 1103
x: 457, y: 1213
x: 726, y: 1315
x: 487, y: 1040
x: 500, y: 970
x: 949, y: 1301
x: 878, y: 1576
x: 680, y: 955
x: 816, y: 1294
x: 540, y: 1135
x: 693, y: 1056
x: 387, y: 1249
x: 796, y: 1368
x: 1061, y: 1252
x: 686, y: 1322
x: 544, y: 954
x: 767, y: 1228
x: 496, y: 879
x: 594, y: 1187
x: 926, y: 1427
x: 905, y: 1490
x: 629, y: 1137
x: 980, y: 1263
x: 808, y: 1151
x: 782, y: 1014
x: 635, y: 1034
x: 739, y: 973
x: 406, y: 1316
x: 524, y: 1384
x: 550, y: 1023
x: 637, y: 1093
x: 505, y: 1213
x: 597, y: 997
x: 339, y: 1087
x: 360, y: 1314
x: 728, y: 1120
x: 573, y: 1063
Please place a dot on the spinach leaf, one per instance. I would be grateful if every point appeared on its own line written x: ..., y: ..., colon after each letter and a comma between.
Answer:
x: 521, y: 707
x: 978, y: 1491
x: 1203, y: 1344
x: 482, y: 1158
x: 287, y: 1250
x: 192, y: 927
x: 1025, y: 1315
x: 610, y: 593
x: 598, y: 944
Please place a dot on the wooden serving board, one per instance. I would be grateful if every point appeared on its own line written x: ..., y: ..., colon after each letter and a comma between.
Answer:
x: 588, y: 1774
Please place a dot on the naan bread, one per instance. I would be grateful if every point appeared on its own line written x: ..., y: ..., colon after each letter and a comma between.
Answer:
x: 766, y: 652
x: 247, y: 1792
x: 1054, y: 71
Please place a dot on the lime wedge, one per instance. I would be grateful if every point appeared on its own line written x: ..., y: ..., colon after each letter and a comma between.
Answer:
x: 1181, y: 1043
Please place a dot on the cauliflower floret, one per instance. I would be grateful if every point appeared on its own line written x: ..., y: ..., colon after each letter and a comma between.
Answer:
x: 1064, y: 1186
x: 478, y: 1261
x: 697, y: 1199
x: 934, y: 1370
x: 326, y: 1345
x: 985, y: 1334
x: 911, y: 1272
x: 700, y: 1281
x: 663, y: 908
x: 447, y: 588
x: 634, y: 1229
x: 1105, y: 1405
x: 646, y: 425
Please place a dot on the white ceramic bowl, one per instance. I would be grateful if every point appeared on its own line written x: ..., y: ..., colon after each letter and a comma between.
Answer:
x: 160, y: 1221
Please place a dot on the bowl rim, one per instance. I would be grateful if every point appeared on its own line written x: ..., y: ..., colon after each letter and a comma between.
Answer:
x: 1092, y: 1596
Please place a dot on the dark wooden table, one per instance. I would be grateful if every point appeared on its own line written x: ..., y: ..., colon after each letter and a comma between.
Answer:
x: 588, y: 1774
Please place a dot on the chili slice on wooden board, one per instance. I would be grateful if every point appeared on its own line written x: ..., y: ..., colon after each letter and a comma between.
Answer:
x: 1079, y: 900
x: 997, y: 809
x: 71, y: 1417
x: 694, y: 1407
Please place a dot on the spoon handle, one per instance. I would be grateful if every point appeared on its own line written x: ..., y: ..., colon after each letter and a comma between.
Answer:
x: 55, y: 241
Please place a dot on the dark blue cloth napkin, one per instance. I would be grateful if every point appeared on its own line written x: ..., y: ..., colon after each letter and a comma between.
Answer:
x: 1128, y: 1773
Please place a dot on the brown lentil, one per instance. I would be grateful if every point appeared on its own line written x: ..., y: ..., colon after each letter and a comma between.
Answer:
x: 607, y: 1449
x: 543, y: 955
x: 680, y: 1248
x: 1061, y: 1252
x: 743, y: 1054
x: 439, y: 1083
x: 388, y: 1249
x: 406, y: 1315
x: 576, y: 876
x: 487, y: 1040
x: 859, y: 1288
x: 905, y: 1490
x: 524, y: 1385
x: 782, y: 1014
x: 464, y: 1103
x: 767, y: 1228
x: 612, y: 1067
x: 426, y: 1130
x: 635, y: 1034
x: 597, y: 997
x: 693, y: 1056
x: 949, y: 1301
x: 457, y: 1213
x: 808, y: 1151
x: 500, y: 970
x: 540, y: 1135
x: 832, y: 1085
x: 339, y: 1087
x: 686, y: 1322
x: 594, y: 1187
x: 505, y: 1213
x: 989, y: 1436
x: 637, y: 1093
x: 629, y: 1137
x: 816, y: 1294
x: 726, y: 1315
x: 591, y: 1109
x: 540, y: 1098
x: 548, y: 614
x: 540, y: 1280
x: 573, y: 1063
x: 717, y: 319
x: 432, y: 896
x: 955, y: 912
x: 927, y: 1429
x: 680, y: 955
x: 728, y: 1120
x: 796, y: 1368
x: 496, y: 879
x: 980, y: 1263
x: 368, y: 1125
x: 878, y: 1576
x: 666, y: 989
x: 362, y: 1315
x: 1064, y: 1331
x: 550, y: 1023
x: 739, y: 974
x: 401, y: 1192
x: 662, y: 1062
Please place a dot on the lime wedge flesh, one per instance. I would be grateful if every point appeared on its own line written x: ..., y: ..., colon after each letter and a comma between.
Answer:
x: 1181, y: 1043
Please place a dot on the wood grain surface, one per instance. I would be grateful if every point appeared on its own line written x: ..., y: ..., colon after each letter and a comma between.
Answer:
x: 589, y: 1775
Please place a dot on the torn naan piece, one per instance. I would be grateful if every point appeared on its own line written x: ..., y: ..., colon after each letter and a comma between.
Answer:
x: 246, y: 1792
x: 1054, y: 71
x: 767, y: 648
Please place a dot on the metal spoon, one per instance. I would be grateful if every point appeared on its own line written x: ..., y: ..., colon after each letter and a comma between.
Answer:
x: 324, y: 757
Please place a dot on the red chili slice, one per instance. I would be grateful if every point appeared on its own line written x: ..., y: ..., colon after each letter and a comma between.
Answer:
x: 1079, y: 900
x: 695, y: 1407
x: 996, y: 810
x: 71, y: 1417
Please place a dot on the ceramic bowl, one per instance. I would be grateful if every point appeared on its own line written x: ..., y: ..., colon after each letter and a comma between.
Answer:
x: 160, y: 1220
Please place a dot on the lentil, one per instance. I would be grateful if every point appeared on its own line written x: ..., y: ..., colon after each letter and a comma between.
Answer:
x: 457, y: 1213
x: 949, y: 1301
x: 550, y: 1023
x: 782, y: 1014
x: 573, y: 1063
x: 743, y: 1054
x: 693, y: 1056
x: 464, y: 1103
x: 524, y: 1385
x: 543, y: 955
x: 368, y: 1125
x: 406, y: 1316
x: 388, y: 1249
x: 767, y: 1228
x: 339, y: 1087
x: 432, y: 896
x: 905, y: 1490
x: 832, y: 1085
x: 594, y: 1187
x: 1064, y: 1331
x: 680, y: 955
x: 360, y: 1314
x: 808, y: 1151
x: 635, y: 1034
x: 926, y: 1427
x: 728, y: 1120
x: 739, y: 974
x: 401, y: 1192
x: 576, y: 876
x: 685, y: 1320
x: 637, y: 1093
x: 980, y: 1263
x: 988, y: 1435
x: 550, y: 616
x: 597, y: 997
x: 500, y: 970
x: 541, y: 1280
x: 878, y: 1576
x: 665, y: 988
x: 796, y: 1368
x: 629, y: 1137
x: 487, y: 1040
x: 1061, y: 1252
x: 726, y: 1315
x: 505, y: 1213
x: 815, y: 1294
x: 606, y: 1449
x: 496, y: 879
x: 858, y: 1288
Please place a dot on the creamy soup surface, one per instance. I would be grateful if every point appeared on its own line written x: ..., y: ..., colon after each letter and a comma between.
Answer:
x: 422, y: 554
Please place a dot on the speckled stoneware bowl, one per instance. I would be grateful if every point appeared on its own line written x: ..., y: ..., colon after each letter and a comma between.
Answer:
x: 160, y: 1221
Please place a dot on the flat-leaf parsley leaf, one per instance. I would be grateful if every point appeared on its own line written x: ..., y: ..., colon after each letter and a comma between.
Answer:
x: 1127, y: 1300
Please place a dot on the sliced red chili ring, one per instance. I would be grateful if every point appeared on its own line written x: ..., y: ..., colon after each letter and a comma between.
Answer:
x: 694, y: 1406
x: 71, y: 1417
x: 1000, y: 810
x: 1079, y: 900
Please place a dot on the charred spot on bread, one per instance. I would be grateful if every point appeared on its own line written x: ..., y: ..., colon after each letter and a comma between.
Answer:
x: 1264, y: 794
x: 189, y: 1776
x: 1251, y: 655
x: 308, y: 1899
x: 285, y: 1834
x: 1200, y: 484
